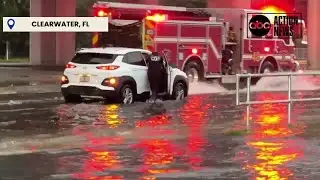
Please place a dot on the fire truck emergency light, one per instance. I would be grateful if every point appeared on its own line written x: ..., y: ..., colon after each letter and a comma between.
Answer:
x: 266, y: 49
x: 103, y: 13
x: 156, y: 17
x: 194, y: 51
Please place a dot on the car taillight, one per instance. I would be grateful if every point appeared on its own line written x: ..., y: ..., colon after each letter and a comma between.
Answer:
x: 69, y: 65
x: 111, y: 67
x: 64, y: 80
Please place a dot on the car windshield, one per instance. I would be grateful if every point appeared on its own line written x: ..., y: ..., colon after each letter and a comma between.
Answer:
x: 93, y: 58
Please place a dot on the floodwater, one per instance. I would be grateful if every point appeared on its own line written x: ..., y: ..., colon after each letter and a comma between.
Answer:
x: 199, y: 138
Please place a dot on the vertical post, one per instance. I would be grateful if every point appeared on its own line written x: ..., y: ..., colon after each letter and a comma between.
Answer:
x: 289, y: 98
x: 237, y: 90
x: 7, y: 50
x: 248, y: 101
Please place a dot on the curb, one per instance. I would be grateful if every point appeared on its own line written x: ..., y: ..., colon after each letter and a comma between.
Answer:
x: 15, y: 65
x: 27, y: 96
x: 5, y: 84
x: 35, y: 67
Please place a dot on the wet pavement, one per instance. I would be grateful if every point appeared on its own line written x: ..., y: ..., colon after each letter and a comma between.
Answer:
x: 199, y: 138
x: 21, y: 76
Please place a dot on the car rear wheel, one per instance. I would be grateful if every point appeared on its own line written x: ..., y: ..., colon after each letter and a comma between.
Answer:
x: 127, y: 95
x: 179, y: 91
x: 71, y: 98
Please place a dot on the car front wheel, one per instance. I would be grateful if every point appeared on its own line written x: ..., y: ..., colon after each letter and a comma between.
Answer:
x: 179, y: 91
x: 127, y: 95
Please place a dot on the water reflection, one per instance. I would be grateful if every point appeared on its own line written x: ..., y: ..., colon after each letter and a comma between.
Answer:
x: 99, y: 158
x: 272, y: 140
x: 195, y: 116
x: 157, y: 153
x: 110, y: 116
x: 159, y: 144
x: 161, y: 155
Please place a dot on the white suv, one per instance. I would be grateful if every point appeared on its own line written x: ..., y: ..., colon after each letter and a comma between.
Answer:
x: 118, y: 74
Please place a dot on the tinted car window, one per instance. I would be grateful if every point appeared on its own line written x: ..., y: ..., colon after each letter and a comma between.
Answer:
x: 93, y: 58
x: 134, y: 58
x: 146, y: 57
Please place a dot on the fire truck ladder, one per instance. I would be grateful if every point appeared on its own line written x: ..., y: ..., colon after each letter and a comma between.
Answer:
x: 289, y: 99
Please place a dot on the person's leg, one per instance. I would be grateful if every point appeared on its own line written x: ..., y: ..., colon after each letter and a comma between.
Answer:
x: 153, y: 86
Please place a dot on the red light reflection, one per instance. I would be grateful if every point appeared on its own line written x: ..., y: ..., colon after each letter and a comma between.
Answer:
x: 99, y: 158
x: 195, y: 116
x: 156, y: 151
x: 163, y: 152
x: 272, y: 140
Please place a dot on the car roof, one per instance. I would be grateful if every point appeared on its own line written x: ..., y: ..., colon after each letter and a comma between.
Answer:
x: 111, y: 50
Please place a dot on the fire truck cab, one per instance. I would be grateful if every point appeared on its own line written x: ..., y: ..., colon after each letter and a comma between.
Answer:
x: 204, y: 43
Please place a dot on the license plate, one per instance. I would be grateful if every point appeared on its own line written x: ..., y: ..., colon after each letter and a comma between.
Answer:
x: 84, y: 78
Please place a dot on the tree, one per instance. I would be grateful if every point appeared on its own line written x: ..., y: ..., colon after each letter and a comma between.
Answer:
x: 19, y: 41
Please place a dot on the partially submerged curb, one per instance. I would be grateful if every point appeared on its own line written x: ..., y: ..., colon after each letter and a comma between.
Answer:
x: 28, y: 96
x: 29, y: 92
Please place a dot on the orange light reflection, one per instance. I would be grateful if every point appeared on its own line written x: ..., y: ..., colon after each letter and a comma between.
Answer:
x: 99, y: 159
x: 272, y: 140
x: 195, y: 116
x: 156, y: 152
x: 111, y: 117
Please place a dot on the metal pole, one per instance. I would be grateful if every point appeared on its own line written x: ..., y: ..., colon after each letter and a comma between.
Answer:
x: 237, y: 90
x: 289, y: 99
x: 248, y: 101
x: 7, y: 50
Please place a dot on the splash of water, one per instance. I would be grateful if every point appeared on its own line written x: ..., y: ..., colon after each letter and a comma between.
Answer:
x: 298, y: 83
x: 205, y: 88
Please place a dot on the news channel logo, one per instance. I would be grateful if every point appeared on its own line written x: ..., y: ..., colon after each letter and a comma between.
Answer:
x: 279, y: 24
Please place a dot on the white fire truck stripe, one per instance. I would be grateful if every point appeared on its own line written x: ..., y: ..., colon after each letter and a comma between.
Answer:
x: 213, y: 47
x: 191, y: 40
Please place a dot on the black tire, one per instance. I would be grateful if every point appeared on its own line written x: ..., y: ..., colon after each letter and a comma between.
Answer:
x: 191, y: 66
x: 266, y: 66
x: 179, y: 91
x: 127, y: 94
x: 72, y: 98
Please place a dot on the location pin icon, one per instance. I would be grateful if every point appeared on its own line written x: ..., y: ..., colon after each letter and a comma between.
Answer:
x: 11, y: 23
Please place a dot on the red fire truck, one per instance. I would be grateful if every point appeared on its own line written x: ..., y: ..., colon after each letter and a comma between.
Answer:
x: 196, y: 40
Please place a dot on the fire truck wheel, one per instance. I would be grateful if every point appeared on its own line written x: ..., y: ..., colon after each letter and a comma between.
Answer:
x: 267, y: 67
x: 194, y: 71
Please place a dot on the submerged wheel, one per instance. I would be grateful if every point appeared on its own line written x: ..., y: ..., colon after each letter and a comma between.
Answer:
x: 179, y: 91
x: 194, y: 72
x: 267, y: 67
x: 127, y: 95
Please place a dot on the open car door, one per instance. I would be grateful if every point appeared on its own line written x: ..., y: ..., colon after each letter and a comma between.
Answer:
x: 168, y: 71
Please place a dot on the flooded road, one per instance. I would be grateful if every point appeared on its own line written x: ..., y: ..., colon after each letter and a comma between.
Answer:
x: 199, y: 138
